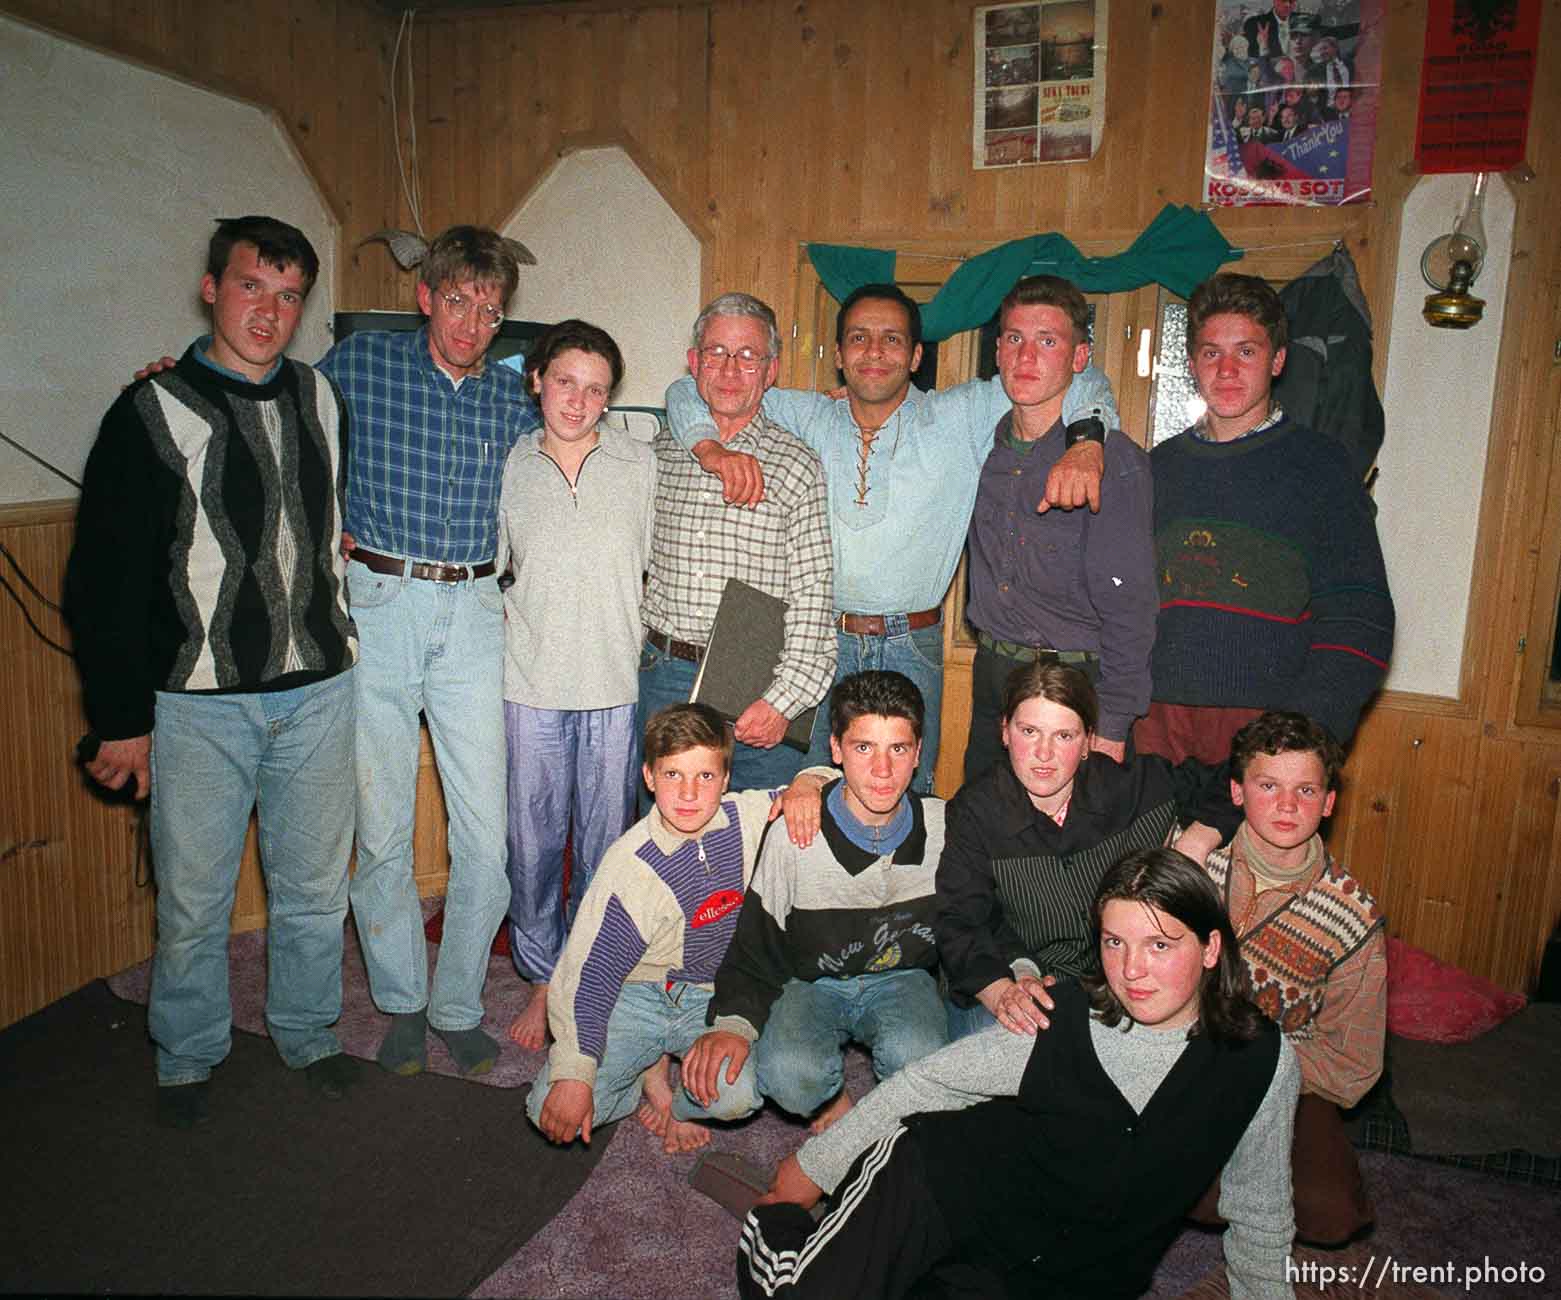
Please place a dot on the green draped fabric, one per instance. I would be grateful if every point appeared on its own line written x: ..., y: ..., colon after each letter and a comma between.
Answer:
x: 1180, y: 248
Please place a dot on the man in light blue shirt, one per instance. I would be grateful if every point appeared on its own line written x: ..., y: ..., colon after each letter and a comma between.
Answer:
x: 901, y: 466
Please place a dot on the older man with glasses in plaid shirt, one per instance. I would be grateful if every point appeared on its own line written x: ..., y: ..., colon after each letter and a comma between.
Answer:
x: 780, y: 545
x: 431, y: 427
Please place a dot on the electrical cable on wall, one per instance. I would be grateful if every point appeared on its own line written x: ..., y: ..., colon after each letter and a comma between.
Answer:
x: 411, y: 188
x: 22, y: 573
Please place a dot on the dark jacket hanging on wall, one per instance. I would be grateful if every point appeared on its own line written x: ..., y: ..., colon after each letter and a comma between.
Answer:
x: 1327, y: 382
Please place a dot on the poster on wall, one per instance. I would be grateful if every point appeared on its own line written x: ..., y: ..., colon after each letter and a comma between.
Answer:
x: 1040, y: 82
x: 1293, y: 102
x: 1476, y: 85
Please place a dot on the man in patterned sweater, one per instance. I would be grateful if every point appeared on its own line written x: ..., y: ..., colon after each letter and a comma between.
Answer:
x: 206, y: 599
x: 1273, y: 593
x: 1313, y: 942
x: 634, y: 978
x: 836, y: 942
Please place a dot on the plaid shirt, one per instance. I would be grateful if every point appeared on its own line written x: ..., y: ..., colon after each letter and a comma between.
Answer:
x: 425, y: 458
x: 781, y: 547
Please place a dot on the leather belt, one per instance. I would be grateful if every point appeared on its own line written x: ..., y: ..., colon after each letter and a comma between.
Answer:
x: 1029, y: 654
x: 876, y: 624
x: 417, y: 569
x: 671, y: 646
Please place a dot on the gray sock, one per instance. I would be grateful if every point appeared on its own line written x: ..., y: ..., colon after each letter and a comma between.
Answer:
x: 332, y: 1076
x: 404, y: 1049
x: 474, y: 1051
x: 183, y: 1106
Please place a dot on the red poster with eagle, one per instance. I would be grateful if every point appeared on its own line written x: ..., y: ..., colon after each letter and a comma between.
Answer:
x: 1476, y: 84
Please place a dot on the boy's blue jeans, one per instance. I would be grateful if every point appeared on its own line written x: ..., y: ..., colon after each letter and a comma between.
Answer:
x: 898, y: 1014
x: 647, y: 1021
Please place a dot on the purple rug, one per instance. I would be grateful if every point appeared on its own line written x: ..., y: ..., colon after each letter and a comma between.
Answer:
x: 637, y: 1231
x: 362, y: 1025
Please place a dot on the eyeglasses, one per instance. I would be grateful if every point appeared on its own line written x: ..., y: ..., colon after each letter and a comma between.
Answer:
x: 458, y: 304
x: 715, y: 356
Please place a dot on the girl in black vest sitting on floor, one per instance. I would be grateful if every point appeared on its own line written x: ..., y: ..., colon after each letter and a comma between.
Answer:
x: 1005, y: 1166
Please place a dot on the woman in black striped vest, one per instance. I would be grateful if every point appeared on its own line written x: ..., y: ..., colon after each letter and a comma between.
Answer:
x: 1029, y: 840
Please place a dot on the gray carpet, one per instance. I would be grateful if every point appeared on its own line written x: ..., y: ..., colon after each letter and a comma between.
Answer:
x: 407, y: 1187
x: 1500, y: 1092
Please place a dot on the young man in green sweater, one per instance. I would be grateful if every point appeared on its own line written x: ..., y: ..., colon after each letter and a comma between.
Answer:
x: 1273, y: 593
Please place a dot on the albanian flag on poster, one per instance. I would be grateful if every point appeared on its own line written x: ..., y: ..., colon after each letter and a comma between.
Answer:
x: 1293, y: 102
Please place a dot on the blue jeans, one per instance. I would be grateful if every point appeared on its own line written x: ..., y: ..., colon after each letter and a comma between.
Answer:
x: 567, y: 768
x: 964, y: 1021
x: 896, y: 1013
x: 919, y: 655
x: 437, y: 647
x: 665, y: 680
x: 647, y: 1021
x: 214, y: 757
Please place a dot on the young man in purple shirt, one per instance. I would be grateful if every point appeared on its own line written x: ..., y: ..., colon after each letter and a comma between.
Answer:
x: 1068, y: 586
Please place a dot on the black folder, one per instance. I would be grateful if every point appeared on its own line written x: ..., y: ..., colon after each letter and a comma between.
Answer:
x: 741, y: 656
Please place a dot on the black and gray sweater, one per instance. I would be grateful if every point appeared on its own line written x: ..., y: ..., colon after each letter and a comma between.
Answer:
x: 831, y: 910
x: 207, y: 554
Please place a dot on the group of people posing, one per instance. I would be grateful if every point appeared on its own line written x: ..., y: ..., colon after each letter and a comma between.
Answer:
x: 1171, y: 651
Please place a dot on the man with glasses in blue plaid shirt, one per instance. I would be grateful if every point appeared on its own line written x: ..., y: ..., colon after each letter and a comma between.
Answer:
x: 430, y: 428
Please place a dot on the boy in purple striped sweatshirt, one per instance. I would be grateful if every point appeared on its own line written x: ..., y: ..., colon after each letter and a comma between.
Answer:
x: 637, y: 971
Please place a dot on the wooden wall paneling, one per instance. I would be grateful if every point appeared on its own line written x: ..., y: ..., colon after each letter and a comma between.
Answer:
x: 69, y: 906
x: 687, y: 156
x: 430, y: 846
x: 470, y: 142
x: 1536, y: 576
x: 433, y: 46
x: 1360, y: 831
x: 495, y: 163
x: 1435, y: 836
x: 1507, y: 868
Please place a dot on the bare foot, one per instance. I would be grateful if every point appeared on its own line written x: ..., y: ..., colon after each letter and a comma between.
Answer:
x: 529, y: 1029
x: 655, y: 1112
x: 684, y: 1135
x: 832, y: 1111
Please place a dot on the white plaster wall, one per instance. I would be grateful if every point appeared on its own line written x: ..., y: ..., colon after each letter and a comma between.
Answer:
x: 110, y: 178
x: 1437, y: 395
x: 611, y: 251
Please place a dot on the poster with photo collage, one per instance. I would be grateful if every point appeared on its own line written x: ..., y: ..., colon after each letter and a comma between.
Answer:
x: 1040, y: 82
x: 1293, y: 102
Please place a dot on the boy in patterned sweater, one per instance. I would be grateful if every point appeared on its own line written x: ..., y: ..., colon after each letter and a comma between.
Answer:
x: 1314, y: 945
x: 635, y: 975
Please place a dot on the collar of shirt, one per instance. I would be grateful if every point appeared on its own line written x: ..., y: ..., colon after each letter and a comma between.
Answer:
x: 609, y: 441
x: 1200, y: 428
x: 851, y: 856
x: 203, y: 355
x: 1266, y: 877
x: 669, y: 839
x: 751, y: 436
x: 877, y: 840
x: 1020, y: 812
x: 1005, y: 436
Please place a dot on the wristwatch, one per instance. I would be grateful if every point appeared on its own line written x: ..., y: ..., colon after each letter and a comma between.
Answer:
x: 1090, y: 429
